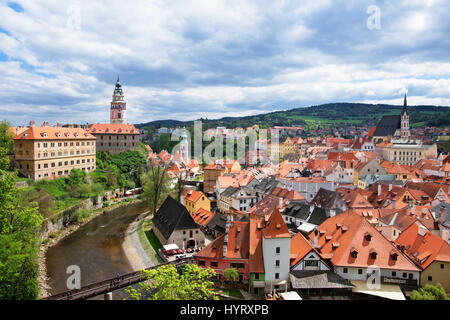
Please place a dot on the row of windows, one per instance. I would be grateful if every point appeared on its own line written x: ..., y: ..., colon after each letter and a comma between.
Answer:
x: 393, y: 273
x: 407, y: 153
x: 60, y: 173
x: 213, y: 264
x: 66, y: 163
x: 124, y: 137
x: 61, y: 144
x: 125, y: 144
x: 66, y: 153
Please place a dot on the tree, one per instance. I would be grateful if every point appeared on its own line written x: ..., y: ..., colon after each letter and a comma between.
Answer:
x: 156, y: 184
x: 6, y: 137
x: 20, y: 224
x: 76, y: 177
x: 191, y: 282
x: 429, y: 292
x: 231, y: 274
x: 181, y: 178
x: 111, y: 173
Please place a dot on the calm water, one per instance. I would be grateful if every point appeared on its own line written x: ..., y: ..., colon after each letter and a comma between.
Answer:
x: 96, y: 248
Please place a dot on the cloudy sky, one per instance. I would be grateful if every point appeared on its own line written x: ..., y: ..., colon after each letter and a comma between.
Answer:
x: 190, y: 59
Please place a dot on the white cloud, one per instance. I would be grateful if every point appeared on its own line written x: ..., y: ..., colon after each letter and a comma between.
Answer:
x: 216, y: 58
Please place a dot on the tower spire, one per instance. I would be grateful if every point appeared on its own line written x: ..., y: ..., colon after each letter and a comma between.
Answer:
x: 404, y: 105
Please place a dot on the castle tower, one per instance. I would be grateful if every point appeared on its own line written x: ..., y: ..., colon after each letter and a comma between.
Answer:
x: 404, y: 129
x: 118, y: 105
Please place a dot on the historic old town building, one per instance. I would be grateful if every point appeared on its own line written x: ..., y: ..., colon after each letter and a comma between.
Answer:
x: 51, y: 152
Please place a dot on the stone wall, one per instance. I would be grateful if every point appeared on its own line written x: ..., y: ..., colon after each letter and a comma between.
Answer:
x: 62, y: 219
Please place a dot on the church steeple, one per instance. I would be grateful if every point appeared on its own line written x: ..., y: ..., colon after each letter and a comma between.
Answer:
x: 404, y: 121
x: 405, y: 110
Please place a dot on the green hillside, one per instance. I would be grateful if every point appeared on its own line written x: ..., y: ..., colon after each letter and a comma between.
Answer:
x: 325, y: 115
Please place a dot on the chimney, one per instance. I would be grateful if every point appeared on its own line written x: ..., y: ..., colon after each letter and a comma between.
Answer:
x: 59, y: 124
x: 32, y: 123
x: 379, y: 190
x: 280, y: 202
x: 393, y: 204
x: 45, y: 124
x: 390, y: 186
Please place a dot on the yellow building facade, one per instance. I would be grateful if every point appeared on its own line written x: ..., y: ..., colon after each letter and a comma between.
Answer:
x: 195, y: 200
x: 52, y: 152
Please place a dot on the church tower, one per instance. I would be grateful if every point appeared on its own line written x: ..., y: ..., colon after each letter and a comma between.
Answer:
x: 184, y: 146
x: 404, y: 129
x: 118, y: 105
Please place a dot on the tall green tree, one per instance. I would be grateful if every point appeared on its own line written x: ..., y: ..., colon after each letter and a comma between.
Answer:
x: 6, y: 137
x: 167, y: 283
x: 20, y: 224
x: 156, y: 183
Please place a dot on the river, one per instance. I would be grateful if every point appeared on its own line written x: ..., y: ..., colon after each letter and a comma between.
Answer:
x: 96, y: 248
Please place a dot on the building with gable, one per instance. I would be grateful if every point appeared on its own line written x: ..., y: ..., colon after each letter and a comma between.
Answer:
x: 172, y: 223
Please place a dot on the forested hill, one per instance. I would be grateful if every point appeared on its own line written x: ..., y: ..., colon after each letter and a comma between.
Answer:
x: 331, y: 114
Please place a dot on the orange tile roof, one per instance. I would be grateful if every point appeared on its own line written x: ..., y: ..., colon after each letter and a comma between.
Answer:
x: 202, y: 216
x: 256, y: 262
x: 287, y: 194
x: 237, y: 246
x: 193, y: 195
x: 300, y: 247
x: 422, y: 243
x: 276, y: 227
x: 266, y: 206
x: 51, y: 133
x: 14, y: 131
x: 345, y: 232
x: 394, y: 168
x: 112, y: 128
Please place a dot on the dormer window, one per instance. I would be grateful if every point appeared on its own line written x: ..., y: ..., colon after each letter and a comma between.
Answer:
x: 373, y: 254
x: 354, y: 253
x: 44, y: 134
x: 394, y: 255
x: 367, y: 236
x: 58, y: 134
x: 336, y: 245
x: 67, y: 134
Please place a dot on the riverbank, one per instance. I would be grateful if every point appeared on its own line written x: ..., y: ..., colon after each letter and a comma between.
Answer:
x: 43, y: 278
x: 134, y: 250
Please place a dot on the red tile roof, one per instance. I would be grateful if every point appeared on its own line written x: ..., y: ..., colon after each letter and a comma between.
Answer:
x: 276, y: 227
x: 237, y: 245
x: 113, y: 128
x: 422, y: 246
x: 193, y: 195
x: 349, y: 231
x: 202, y: 216
x: 300, y: 247
x: 287, y: 194
x: 52, y: 133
